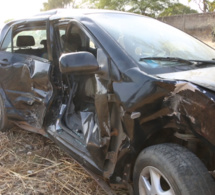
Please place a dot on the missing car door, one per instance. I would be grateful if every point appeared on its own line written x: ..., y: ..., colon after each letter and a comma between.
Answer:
x: 86, y: 117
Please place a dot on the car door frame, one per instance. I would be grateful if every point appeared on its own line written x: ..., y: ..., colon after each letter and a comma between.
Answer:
x: 72, y: 148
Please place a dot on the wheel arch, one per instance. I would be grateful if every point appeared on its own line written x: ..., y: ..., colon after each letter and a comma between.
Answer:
x: 190, y: 140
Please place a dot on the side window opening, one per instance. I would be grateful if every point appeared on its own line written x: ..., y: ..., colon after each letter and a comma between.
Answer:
x: 6, y: 45
x: 79, y: 40
x: 75, y: 39
x: 25, y: 40
x: 60, y: 33
x: 31, y: 42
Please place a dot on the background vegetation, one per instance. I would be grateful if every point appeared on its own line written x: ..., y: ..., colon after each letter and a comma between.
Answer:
x: 154, y: 8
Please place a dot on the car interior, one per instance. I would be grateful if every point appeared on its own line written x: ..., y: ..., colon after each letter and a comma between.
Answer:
x: 25, y: 45
x: 82, y: 87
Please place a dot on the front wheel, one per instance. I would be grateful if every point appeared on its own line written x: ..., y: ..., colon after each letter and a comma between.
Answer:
x: 169, y: 169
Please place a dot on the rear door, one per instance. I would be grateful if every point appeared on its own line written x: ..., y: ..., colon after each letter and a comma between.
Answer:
x: 24, y: 74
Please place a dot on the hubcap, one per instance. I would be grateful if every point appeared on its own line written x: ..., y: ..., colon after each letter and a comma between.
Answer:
x: 153, y: 182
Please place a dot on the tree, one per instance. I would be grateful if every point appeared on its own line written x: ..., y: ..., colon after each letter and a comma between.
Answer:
x: 144, y: 7
x: 149, y: 7
x: 177, y: 9
x: 205, y: 5
x: 8, y: 20
x: 211, y: 6
x: 53, y: 4
x: 106, y: 4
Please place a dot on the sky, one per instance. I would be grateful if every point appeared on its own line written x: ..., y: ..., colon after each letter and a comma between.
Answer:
x: 11, y: 9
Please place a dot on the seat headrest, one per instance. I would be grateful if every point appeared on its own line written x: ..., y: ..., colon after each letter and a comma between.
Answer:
x: 74, y: 38
x: 44, y: 42
x: 25, y: 41
x: 63, y: 37
x: 74, y: 42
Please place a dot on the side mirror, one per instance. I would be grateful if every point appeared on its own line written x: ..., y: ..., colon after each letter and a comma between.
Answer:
x: 78, y: 62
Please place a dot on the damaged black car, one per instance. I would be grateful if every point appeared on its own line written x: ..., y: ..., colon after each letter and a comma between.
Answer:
x: 128, y: 97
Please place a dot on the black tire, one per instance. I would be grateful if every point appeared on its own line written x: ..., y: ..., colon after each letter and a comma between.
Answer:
x: 177, y: 169
x: 3, y: 117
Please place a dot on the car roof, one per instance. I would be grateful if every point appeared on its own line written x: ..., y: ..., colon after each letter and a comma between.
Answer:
x: 70, y: 13
x: 75, y: 12
x: 66, y: 13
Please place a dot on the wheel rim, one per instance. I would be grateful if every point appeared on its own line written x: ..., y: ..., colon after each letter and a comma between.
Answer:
x: 153, y: 182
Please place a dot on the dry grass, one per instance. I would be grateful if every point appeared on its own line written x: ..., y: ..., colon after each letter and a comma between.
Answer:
x: 32, y: 164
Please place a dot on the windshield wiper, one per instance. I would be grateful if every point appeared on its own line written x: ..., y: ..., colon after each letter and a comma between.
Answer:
x: 172, y: 59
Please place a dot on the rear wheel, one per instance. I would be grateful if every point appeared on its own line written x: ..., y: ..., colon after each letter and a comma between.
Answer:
x: 3, y: 117
x: 169, y: 169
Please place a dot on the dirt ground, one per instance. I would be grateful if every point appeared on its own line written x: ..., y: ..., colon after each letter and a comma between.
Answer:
x: 31, y: 164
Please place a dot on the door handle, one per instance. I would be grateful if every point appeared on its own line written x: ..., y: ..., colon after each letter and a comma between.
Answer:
x: 4, y: 62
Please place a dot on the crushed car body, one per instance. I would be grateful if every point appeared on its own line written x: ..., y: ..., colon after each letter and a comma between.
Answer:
x: 108, y: 87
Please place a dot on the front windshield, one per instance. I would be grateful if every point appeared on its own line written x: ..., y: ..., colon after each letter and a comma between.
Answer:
x: 144, y: 37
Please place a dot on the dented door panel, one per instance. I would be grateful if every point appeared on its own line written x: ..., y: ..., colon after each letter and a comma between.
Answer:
x: 25, y: 82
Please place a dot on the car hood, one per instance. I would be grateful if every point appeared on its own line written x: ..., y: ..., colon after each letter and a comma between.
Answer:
x: 204, y: 77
